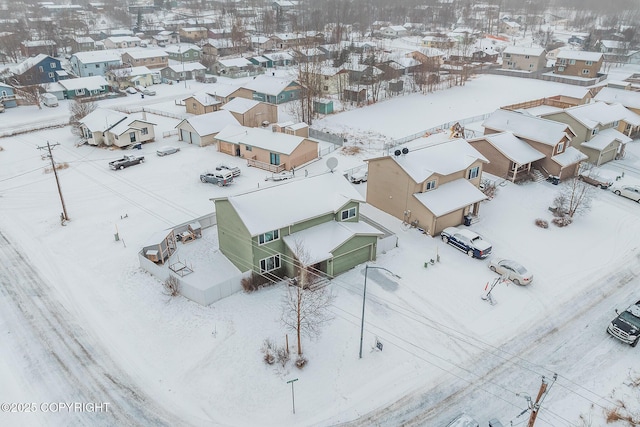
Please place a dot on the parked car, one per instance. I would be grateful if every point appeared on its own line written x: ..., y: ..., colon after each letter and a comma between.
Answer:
x: 596, y: 180
x: 629, y: 191
x: 233, y: 169
x: 219, y: 178
x: 279, y: 176
x: 132, y: 90
x: 626, y: 327
x: 512, y: 270
x: 359, y: 176
x: 149, y: 92
x: 467, y: 241
x: 164, y: 151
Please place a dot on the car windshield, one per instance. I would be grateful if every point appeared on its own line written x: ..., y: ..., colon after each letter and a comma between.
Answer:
x: 629, y: 318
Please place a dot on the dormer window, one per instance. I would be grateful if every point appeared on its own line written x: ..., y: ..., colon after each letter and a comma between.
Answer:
x: 594, y: 131
x: 615, y: 124
x: 473, y: 172
x: 348, y: 214
x: 430, y: 185
x: 560, y: 147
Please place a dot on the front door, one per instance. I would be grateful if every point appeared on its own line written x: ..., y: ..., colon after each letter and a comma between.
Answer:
x: 274, y: 158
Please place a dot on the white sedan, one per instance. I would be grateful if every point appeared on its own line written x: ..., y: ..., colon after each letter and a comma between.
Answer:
x: 629, y: 191
x: 511, y: 270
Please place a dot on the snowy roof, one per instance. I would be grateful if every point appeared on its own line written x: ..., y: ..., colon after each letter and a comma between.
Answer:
x: 120, y: 39
x: 527, y: 126
x: 210, y: 123
x: 596, y: 113
x: 34, y: 43
x: 189, y: 66
x: 579, y: 55
x: 625, y: 114
x: 182, y: 47
x: 513, y: 148
x: 31, y: 62
x: 277, y: 142
x: 570, y: 156
x: 146, y: 53
x: 82, y: 39
x: 278, y: 56
x: 221, y: 89
x: 267, y: 84
x: 450, y: 197
x: 102, y: 119
x: 435, y: 155
x: 124, y: 126
x: 89, y: 83
x: 628, y: 98
x: 240, y: 105
x: 235, y: 62
x: 320, y: 241
x: 314, y: 195
x: 259, y: 39
x: 204, y: 98
x: 605, y: 137
x: 519, y: 50
x: 94, y: 56
x: 132, y: 71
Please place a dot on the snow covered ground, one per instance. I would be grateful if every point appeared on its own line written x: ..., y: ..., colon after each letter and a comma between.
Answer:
x: 203, y: 365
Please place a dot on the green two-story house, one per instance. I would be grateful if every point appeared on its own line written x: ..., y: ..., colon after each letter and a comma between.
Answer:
x: 312, y: 222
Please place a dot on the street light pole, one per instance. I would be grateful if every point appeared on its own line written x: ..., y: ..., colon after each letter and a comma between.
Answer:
x: 364, y: 298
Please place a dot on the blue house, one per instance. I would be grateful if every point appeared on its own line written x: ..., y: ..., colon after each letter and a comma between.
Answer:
x: 37, y: 70
x: 7, y: 96
x: 95, y: 63
x: 271, y: 89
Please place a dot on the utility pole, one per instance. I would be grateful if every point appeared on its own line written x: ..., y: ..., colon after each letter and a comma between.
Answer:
x: 542, y: 393
x: 64, y: 216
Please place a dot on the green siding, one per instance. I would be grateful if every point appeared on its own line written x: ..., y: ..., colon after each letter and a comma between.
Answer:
x: 338, y: 217
x: 311, y: 223
x: 356, y: 251
x: 233, y: 236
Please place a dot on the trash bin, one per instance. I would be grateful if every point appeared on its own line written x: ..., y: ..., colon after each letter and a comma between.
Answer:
x: 467, y: 220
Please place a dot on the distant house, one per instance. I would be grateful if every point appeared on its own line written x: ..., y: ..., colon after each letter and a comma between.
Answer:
x: 38, y: 70
x: 37, y: 47
x: 331, y: 80
x: 441, y: 42
x: 184, y: 52
x: 95, y: 63
x: 113, y: 128
x: 270, y: 89
x: 551, y: 138
x: 234, y: 67
x: 279, y: 59
x: 82, y: 44
x: 190, y: 71
x: 433, y: 184
x: 150, y: 58
x: 202, y: 130
x: 394, y: 31
x: 202, y: 103
x: 598, y: 127
x: 122, y: 42
x: 262, y: 43
x: 84, y: 87
x: 193, y: 34
x: 265, y: 149
x: 125, y: 77
x: 325, y: 233
x: 509, y: 27
x: 578, y: 63
x: 530, y: 59
x: 7, y: 96
x: 252, y: 113
x: 630, y: 99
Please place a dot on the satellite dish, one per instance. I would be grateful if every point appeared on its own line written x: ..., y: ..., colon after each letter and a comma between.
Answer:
x: 397, y: 152
x: 405, y: 150
x: 332, y: 162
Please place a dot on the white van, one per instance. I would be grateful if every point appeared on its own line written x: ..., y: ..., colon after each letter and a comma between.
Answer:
x: 49, y: 99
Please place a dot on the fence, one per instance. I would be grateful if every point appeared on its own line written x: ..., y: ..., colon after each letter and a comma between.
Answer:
x: 326, y: 136
x: 131, y: 110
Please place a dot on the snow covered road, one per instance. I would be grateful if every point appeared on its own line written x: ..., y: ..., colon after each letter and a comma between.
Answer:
x: 62, y: 362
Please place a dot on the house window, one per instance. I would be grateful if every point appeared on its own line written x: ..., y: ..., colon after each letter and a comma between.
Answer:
x: 51, y: 74
x: 588, y: 63
x: 186, y: 54
x: 247, y: 147
x: 526, y: 57
x: 560, y: 68
x: 431, y: 185
x: 474, y: 172
x: 274, y: 158
x: 507, y: 55
x: 572, y: 62
x: 530, y: 65
x: 268, y: 237
x: 144, y: 131
x: 509, y: 63
x: 79, y: 91
x: 615, y: 124
x: 594, y: 131
x: 347, y: 214
x: 97, y: 65
x: 270, y: 264
x: 325, y: 88
x: 560, y: 147
x: 585, y: 71
x: 5, y: 94
x: 53, y: 65
x: 195, y: 105
x: 132, y: 136
x: 41, y: 68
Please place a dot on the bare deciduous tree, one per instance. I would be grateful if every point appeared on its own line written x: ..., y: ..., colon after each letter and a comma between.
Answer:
x: 574, y: 197
x: 78, y: 111
x: 305, y: 311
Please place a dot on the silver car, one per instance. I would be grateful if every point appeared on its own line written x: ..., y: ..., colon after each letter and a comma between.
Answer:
x: 163, y: 151
x: 511, y: 270
x: 629, y: 191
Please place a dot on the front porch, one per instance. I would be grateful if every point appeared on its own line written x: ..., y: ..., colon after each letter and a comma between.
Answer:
x: 265, y: 166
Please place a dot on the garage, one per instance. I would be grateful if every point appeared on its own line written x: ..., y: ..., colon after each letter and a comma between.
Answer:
x: 344, y: 262
x: 190, y: 137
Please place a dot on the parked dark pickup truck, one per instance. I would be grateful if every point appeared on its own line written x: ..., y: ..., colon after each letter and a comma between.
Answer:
x: 126, y: 161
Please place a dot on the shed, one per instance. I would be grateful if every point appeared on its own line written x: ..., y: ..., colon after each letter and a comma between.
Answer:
x: 323, y: 106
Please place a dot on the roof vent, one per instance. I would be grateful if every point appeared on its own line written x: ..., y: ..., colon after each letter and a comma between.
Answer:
x: 397, y: 153
x: 405, y: 150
